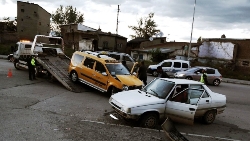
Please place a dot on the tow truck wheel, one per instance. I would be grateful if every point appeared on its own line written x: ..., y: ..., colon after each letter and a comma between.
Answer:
x: 209, y: 117
x: 155, y: 73
x: 74, y: 76
x: 16, y: 64
x: 149, y: 120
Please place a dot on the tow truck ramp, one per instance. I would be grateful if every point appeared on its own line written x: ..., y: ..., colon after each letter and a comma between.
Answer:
x: 58, y: 66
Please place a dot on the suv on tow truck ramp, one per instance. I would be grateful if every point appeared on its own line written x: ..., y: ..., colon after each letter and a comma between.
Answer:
x: 102, y: 72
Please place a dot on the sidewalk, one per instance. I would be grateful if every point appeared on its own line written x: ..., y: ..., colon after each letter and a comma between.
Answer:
x: 225, y: 80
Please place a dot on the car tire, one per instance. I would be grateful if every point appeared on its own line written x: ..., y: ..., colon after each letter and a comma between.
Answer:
x: 209, y: 117
x: 155, y: 73
x: 216, y: 82
x: 149, y: 120
x: 16, y: 64
x: 112, y: 90
x: 74, y: 76
x: 189, y: 78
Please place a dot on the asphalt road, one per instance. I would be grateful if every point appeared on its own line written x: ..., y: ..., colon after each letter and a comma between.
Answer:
x: 44, y: 110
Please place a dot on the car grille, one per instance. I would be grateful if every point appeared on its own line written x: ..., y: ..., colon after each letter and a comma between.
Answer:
x: 134, y: 87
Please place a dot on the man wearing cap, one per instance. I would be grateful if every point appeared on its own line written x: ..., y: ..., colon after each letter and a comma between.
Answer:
x: 203, y: 76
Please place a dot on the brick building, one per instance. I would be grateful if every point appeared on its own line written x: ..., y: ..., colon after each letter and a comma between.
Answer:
x: 32, y: 20
x: 81, y: 37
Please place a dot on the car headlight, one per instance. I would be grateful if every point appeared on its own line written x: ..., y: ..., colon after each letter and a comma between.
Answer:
x: 125, y: 88
x: 126, y: 110
x: 180, y: 75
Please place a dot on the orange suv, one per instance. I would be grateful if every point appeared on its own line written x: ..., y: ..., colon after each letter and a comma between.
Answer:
x: 102, y: 72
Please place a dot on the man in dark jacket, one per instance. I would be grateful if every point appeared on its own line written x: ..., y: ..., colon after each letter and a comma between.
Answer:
x: 31, y: 67
x: 142, y: 73
x: 161, y: 73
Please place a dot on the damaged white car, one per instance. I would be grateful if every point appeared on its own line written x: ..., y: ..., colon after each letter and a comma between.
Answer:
x: 179, y: 99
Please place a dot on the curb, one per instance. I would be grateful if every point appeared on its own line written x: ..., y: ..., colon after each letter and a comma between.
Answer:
x: 236, y: 82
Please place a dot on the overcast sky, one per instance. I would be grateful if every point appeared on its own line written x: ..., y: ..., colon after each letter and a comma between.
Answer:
x: 173, y: 17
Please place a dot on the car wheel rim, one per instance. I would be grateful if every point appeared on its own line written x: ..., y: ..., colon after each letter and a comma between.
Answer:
x: 73, y: 77
x: 216, y: 82
x: 150, y: 122
x: 155, y: 73
x: 210, y: 117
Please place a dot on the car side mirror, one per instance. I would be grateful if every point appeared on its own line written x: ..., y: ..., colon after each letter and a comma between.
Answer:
x: 113, y: 73
x: 134, y: 73
x: 197, y: 72
x: 104, y: 73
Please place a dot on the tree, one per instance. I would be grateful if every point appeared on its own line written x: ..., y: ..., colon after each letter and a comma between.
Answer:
x: 65, y: 15
x: 146, y: 27
x: 199, y: 40
x: 157, y: 55
x: 11, y: 25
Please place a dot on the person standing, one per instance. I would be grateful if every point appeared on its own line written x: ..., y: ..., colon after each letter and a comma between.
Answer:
x: 142, y: 73
x: 204, y: 77
x: 31, y: 66
x: 161, y: 73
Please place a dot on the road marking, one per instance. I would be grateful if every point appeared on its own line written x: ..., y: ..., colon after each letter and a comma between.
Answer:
x: 205, y: 136
x: 195, y: 135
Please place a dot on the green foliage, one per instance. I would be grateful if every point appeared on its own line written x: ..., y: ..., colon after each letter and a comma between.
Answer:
x: 157, y: 56
x: 199, y: 40
x: 65, y: 15
x: 146, y: 27
x: 5, y: 49
x: 11, y: 25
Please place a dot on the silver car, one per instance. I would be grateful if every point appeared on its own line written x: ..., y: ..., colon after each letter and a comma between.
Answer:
x: 213, y: 75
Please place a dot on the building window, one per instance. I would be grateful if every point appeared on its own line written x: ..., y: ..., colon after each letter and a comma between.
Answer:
x: 40, y: 23
x: 21, y: 19
x: 22, y: 10
x: 119, y: 45
x: 105, y: 44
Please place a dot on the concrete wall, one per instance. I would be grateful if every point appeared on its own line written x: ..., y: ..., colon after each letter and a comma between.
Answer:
x: 32, y: 20
x: 217, y: 50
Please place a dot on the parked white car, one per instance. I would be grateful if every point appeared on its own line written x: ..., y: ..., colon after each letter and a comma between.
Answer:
x: 170, y: 66
x: 179, y: 99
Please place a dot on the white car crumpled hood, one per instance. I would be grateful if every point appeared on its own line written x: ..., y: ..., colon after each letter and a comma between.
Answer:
x: 133, y: 98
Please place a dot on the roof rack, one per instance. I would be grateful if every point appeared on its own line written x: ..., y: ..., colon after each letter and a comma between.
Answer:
x: 99, y: 55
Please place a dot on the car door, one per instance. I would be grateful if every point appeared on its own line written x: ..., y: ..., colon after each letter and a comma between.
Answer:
x: 134, y: 69
x: 100, y: 76
x: 129, y: 61
x: 167, y: 66
x: 87, y: 71
x: 210, y: 75
x: 197, y: 74
x: 183, y: 111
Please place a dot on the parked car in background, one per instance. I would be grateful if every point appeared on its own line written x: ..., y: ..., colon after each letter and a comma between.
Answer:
x: 170, y: 66
x: 130, y: 62
x: 213, y: 75
x: 178, y: 99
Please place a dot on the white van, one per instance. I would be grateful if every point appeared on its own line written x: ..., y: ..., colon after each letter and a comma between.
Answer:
x: 170, y: 66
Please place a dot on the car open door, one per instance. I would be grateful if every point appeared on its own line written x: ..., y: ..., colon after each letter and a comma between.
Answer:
x: 134, y: 69
x: 181, y: 112
x: 181, y: 106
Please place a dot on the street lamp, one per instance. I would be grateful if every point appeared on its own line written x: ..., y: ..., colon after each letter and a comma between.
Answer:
x: 191, y: 32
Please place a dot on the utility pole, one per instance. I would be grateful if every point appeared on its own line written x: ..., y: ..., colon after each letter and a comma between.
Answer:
x: 115, y: 47
x: 189, y: 49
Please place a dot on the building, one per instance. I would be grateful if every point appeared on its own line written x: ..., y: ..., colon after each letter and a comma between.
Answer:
x: 225, y: 49
x: 81, y: 37
x: 178, y: 50
x: 32, y: 20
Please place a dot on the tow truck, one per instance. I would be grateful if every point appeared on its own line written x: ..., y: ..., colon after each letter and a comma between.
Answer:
x: 49, y: 56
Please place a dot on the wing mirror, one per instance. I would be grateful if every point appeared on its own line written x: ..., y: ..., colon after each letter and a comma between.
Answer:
x: 104, y: 73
